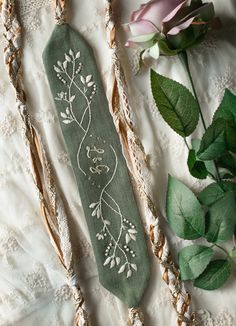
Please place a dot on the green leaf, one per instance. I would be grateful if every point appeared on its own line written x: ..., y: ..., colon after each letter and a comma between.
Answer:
x: 176, y: 104
x: 208, y: 164
x: 165, y: 50
x: 196, y: 168
x: 193, y: 260
x: 227, y: 108
x: 227, y: 162
x: 221, y: 219
x: 227, y: 111
x: 184, y: 212
x: 215, y: 275
x: 215, y: 192
x: 213, y: 142
x: 233, y: 253
x: 230, y: 135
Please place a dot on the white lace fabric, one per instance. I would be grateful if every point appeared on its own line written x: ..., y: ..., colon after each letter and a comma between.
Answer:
x: 33, y: 286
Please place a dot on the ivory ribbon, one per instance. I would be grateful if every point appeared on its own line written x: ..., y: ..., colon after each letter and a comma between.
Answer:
x: 52, y: 209
x: 135, y: 155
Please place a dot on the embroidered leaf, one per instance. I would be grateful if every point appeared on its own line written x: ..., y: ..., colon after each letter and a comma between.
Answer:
x: 56, y: 69
x: 107, y: 261
x: 99, y: 214
x: 67, y: 58
x: 121, y: 270
x: 67, y: 111
x: 72, y: 98
x: 106, y: 221
x: 176, y: 104
x: 133, y: 237
x: 67, y: 121
x: 112, y: 263
x: 184, y: 212
x: 117, y: 261
x: 90, y: 84
x: 93, y: 205
x: 193, y: 260
x: 65, y: 64
x: 221, y: 219
x: 88, y: 78
x: 82, y: 79
x: 215, y: 275
x: 132, y: 231
x: 63, y: 115
x: 59, y: 64
x: 129, y: 273
x: 134, y: 266
x: 127, y: 238
x: 77, y: 55
x: 94, y: 212
x: 71, y: 53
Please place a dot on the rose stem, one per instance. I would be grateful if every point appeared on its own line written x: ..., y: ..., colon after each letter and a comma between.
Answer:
x: 184, y: 58
x: 226, y: 252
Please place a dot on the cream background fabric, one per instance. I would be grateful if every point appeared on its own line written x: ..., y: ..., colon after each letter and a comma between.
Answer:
x: 33, y: 288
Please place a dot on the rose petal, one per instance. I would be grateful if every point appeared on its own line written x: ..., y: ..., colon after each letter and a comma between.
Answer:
x: 206, y: 12
x: 141, y: 38
x: 150, y: 55
x: 142, y: 27
x: 155, y: 11
x: 174, y: 12
x: 135, y: 14
x: 154, y: 51
x: 175, y: 30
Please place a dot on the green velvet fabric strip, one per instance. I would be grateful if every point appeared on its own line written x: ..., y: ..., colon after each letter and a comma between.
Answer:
x: 107, y: 197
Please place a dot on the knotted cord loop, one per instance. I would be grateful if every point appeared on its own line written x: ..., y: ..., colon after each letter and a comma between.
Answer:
x: 136, y: 317
x: 136, y: 159
x: 52, y: 208
x: 60, y: 11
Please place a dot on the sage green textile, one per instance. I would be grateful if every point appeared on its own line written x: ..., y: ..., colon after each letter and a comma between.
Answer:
x: 111, y: 212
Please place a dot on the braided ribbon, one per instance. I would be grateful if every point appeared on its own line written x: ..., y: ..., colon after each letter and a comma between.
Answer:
x: 60, y: 11
x: 135, y: 317
x: 52, y: 208
x: 136, y: 159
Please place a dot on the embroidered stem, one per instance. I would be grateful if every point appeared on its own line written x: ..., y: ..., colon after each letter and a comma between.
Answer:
x: 136, y: 160
x: 62, y: 69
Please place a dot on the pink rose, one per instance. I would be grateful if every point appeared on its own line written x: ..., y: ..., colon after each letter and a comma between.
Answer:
x: 169, y: 26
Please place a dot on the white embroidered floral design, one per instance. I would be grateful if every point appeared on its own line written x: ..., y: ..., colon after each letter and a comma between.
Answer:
x: 8, y: 125
x: 64, y: 293
x: 118, y: 253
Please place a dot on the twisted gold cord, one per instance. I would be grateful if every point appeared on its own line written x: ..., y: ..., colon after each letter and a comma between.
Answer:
x: 135, y: 155
x: 52, y: 209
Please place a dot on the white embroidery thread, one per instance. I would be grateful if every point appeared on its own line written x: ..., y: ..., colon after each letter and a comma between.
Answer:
x: 67, y: 72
